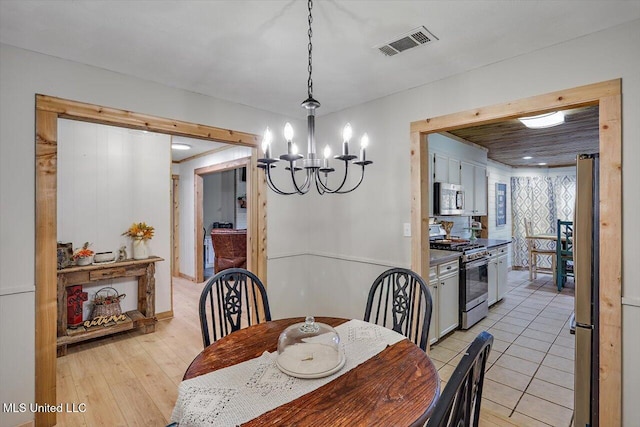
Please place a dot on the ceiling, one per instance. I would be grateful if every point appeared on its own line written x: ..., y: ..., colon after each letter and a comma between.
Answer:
x: 255, y: 52
x: 198, y: 147
x: 509, y: 141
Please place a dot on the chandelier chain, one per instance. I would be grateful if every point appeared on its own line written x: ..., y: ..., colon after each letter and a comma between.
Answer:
x: 310, y: 49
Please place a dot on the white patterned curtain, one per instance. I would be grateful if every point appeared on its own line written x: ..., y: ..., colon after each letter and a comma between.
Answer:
x: 542, y: 200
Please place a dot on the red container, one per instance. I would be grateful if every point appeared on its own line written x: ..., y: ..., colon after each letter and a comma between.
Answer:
x: 75, y: 298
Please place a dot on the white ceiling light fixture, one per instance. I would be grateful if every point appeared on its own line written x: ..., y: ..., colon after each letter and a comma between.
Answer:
x: 180, y: 146
x: 527, y: 158
x: 542, y: 164
x: 316, y: 171
x: 542, y: 121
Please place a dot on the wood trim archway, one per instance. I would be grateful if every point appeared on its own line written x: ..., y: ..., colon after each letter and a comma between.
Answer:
x: 48, y: 111
x: 607, y: 96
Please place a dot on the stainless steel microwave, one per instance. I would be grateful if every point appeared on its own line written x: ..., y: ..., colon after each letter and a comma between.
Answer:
x: 448, y: 199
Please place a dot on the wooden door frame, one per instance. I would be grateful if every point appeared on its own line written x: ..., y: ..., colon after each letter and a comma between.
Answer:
x: 47, y: 112
x: 198, y: 187
x: 607, y: 96
x: 175, y: 231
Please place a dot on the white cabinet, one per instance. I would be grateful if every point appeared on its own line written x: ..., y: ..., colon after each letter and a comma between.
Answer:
x: 497, y: 273
x: 503, y: 271
x: 480, y: 190
x: 444, y: 288
x: 433, y: 288
x: 440, y: 168
x: 432, y: 165
x: 454, y: 171
x: 474, y: 181
x: 448, y: 304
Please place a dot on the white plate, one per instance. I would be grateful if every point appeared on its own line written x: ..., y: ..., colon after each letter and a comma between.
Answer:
x: 322, y: 374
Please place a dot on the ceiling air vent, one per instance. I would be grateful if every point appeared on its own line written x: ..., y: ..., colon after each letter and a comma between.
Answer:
x: 416, y: 37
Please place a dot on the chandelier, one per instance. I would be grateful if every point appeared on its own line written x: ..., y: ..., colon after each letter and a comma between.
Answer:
x: 316, y: 170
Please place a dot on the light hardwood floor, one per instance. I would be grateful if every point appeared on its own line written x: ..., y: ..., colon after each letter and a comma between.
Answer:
x: 132, y: 379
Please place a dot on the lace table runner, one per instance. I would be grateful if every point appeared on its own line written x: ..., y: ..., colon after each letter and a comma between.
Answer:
x: 239, y: 393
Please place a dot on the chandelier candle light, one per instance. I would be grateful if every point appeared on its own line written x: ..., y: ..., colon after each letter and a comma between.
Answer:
x: 317, y: 172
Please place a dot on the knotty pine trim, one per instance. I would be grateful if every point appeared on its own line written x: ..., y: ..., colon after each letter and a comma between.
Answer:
x: 607, y: 95
x: 74, y: 110
x: 48, y: 110
x: 539, y: 104
x: 46, y: 309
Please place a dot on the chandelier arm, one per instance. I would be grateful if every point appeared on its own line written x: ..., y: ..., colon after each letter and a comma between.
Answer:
x: 320, y: 188
x: 273, y: 186
x: 344, y: 180
x: 304, y: 188
x: 356, y: 186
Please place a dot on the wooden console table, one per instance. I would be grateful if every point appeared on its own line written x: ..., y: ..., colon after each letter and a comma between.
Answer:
x: 143, y: 317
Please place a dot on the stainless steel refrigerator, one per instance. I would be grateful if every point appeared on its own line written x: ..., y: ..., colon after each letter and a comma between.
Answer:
x: 586, y: 272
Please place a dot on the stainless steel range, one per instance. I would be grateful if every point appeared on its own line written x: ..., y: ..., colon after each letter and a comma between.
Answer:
x: 474, y: 277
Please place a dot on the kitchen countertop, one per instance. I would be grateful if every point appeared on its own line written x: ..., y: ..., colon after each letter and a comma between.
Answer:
x: 492, y: 243
x: 437, y: 256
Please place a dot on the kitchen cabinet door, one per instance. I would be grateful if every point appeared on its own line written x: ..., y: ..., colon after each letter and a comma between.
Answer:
x: 467, y: 176
x: 454, y: 171
x: 502, y: 272
x: 448, y: 304
x: 440, y: 168
x: 433, y: 326
x: 480, y: 190
x: 431, y: 191
x: 492, y: 270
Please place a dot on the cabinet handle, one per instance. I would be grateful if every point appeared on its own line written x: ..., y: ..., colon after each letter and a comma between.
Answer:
x: 449, y: 268
x: 442, y: 283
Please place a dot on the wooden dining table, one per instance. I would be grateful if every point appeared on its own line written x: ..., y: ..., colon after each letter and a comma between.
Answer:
x: 397, y: 387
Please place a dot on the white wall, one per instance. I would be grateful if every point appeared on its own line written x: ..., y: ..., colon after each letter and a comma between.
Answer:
x: 109, y: 178
x: 368, y: 224
x: 24, y: 74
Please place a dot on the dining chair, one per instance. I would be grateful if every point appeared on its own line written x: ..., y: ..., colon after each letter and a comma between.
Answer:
x: 564, y: 252
x: 399, y: 299
x: 233, y: 299
x: 535, y: 251
x: 459, y: 404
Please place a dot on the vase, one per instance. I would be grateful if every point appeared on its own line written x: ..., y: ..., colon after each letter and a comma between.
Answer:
x: 140, y: 249
x: 85, y: 260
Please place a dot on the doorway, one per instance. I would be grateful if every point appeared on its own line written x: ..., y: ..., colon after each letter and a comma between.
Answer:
x: 48, y: 110
x: 607, y: 96
x: 228, y: 213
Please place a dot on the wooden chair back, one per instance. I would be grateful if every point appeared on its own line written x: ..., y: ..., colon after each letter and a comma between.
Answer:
x: 459, y: 404
x: 232, y: 299
x: 399, y: 299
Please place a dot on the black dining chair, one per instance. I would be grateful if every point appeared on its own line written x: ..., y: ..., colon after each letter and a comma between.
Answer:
x: 459, y: 404
x: 234, y: 298
x: 399, y: 299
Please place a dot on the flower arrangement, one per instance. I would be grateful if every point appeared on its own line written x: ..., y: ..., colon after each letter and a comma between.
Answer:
x: 139, y: 230
x: 83, y: 252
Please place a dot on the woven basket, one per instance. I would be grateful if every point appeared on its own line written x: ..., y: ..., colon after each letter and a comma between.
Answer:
x: 107, y: 303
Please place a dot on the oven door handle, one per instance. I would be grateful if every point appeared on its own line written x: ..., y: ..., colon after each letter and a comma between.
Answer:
x: 477, y: 263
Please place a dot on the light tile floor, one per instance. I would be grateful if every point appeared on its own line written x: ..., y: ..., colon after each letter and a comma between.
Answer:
x: 529, y: 376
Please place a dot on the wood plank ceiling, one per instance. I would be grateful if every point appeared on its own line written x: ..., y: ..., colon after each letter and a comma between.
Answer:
x: 509, y: 141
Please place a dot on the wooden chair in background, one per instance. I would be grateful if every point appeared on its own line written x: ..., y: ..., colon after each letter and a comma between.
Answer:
x: 564, y: 252
x: 535, y: 251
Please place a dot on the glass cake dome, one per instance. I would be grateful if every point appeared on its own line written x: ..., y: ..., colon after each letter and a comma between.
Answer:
x: 309, y: 350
